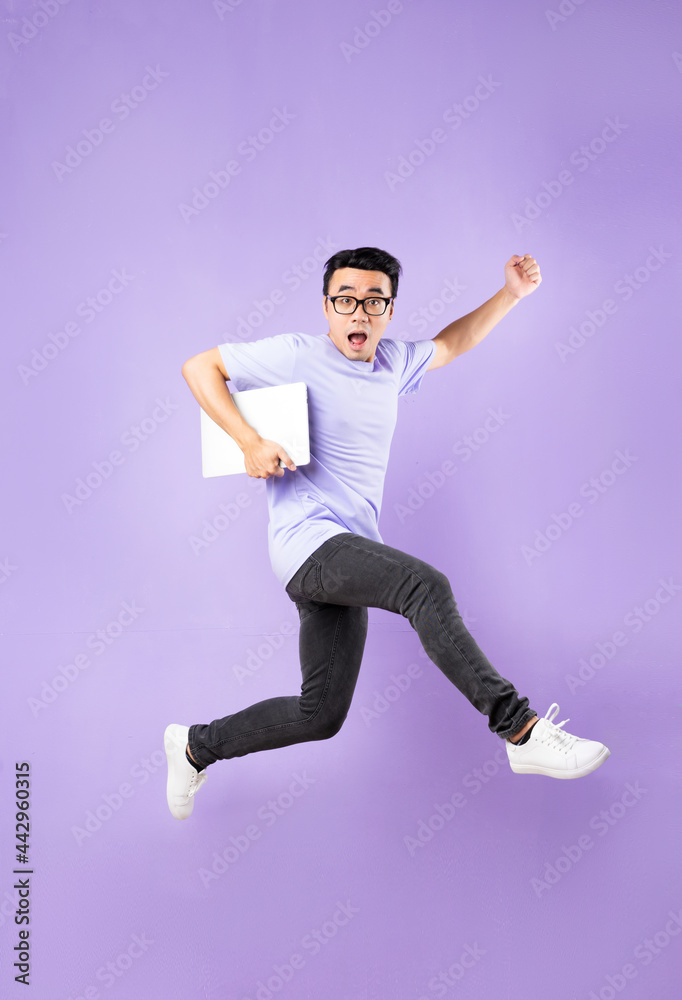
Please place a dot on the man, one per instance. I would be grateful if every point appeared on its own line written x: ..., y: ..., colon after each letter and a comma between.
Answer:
x: 323, y: 539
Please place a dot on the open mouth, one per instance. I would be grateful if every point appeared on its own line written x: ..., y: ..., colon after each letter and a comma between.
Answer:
x: 357, y: 340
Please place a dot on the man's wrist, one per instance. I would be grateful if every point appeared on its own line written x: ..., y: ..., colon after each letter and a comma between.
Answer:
x: 247, y: 436
x: 507, y: 297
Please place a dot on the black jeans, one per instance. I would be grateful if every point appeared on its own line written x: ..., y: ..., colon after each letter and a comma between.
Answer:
x: 332, y: 591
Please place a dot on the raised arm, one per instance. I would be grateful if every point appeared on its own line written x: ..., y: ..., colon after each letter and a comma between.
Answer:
x: 522, y: 276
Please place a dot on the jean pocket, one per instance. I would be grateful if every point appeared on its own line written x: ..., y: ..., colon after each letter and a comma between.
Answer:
x: 307, y: 581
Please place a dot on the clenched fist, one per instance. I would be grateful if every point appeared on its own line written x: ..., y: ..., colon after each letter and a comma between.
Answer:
x: 522, y: 275
x: 262, y: 459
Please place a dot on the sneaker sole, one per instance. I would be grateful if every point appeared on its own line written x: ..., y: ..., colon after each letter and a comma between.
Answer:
x: 170, y: 738
x: 171, y: 745
x: 551, y: 772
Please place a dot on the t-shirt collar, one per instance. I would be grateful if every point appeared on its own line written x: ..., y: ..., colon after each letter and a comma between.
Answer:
x: 362, y: 366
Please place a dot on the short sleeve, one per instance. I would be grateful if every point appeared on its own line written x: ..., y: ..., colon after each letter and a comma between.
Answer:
x: 260, y: 363
x: 416, y: 360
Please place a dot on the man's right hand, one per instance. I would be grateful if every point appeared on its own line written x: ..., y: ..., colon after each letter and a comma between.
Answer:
x: 261, y: 459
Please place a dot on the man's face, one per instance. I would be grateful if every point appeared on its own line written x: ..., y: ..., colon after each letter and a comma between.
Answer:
x: 359, y: 284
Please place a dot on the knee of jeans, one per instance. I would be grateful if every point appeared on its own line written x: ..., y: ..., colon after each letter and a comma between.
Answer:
x: 326, y: 726
x: 437, y: 583
x: 438, y: 579
x: 428, y: 581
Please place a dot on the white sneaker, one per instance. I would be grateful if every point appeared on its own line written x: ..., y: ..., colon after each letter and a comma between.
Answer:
x: 552, y: 751
x: 184, y: 781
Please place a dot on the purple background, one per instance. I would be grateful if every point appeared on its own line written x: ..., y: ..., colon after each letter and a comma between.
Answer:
x: 503, y: 878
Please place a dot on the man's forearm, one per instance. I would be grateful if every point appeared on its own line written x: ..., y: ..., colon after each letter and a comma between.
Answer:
x: 209, y: 388
x: 467, y: 331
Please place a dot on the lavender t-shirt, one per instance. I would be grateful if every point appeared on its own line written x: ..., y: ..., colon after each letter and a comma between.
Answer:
x: 352, y: 412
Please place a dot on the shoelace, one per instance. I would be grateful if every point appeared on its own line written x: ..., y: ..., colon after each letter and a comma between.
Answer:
x: 195, y: 782
x: 553, y: 735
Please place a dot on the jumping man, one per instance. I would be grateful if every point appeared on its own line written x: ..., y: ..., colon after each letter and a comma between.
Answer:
x: 323, y: 539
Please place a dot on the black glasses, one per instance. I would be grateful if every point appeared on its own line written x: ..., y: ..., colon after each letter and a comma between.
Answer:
x: 347, y: 304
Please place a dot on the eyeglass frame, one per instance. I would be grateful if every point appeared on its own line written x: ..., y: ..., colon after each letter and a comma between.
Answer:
x: 385, y: 299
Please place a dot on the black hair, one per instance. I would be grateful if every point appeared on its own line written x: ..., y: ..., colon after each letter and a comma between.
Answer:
x: 364, y: 259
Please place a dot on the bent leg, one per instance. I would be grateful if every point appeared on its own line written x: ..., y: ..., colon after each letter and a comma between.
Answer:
x: 331, y: 645
x: 354, y: 570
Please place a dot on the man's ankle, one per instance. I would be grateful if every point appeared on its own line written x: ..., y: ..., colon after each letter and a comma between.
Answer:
x: 521, y: 733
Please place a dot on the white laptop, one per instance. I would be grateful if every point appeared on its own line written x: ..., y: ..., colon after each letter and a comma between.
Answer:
x: 279, y: 413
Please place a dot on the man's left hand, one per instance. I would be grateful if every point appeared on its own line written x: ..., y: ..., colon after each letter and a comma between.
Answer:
x: 522, y: 275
